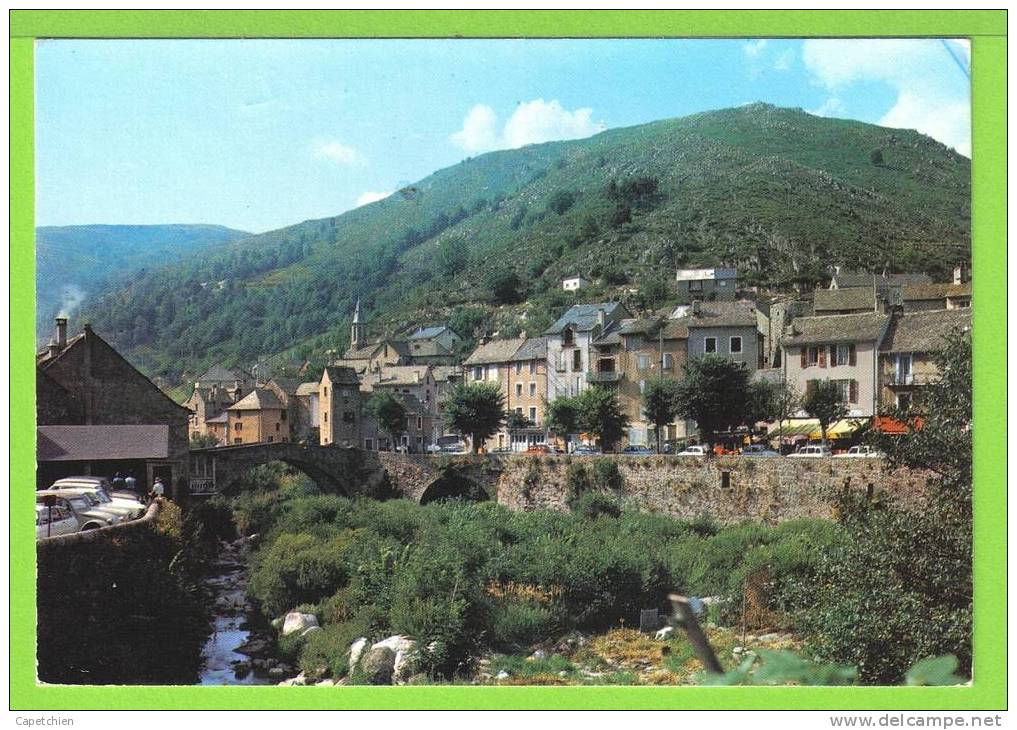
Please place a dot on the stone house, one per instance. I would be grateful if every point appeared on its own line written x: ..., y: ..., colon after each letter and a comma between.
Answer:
x: 416, y: 386
x: 97, y: 414
x: 906, y: 363
x: 433, y: 345
x: 632, y: 352
x: 843, y: 348
x: 573, y: 283
x: 492, y: 362
x: 844, y: 278
x: 307, y: 395
x: 569, y: 345
x: 340, y: 407
x: 446, y: 377
x: 709, y: 284
x: 926, y: 297
x: 237, y: 381
x: 728, y: 329
x: 258, y: 417
x: 298, y: 408
x: 206, y: 403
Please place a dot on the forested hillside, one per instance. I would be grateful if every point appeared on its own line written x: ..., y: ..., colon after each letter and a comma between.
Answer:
x: 73, y: 262
x: 779, y: 193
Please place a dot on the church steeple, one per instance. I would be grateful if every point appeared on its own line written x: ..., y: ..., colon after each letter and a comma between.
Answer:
x: 358, y: 332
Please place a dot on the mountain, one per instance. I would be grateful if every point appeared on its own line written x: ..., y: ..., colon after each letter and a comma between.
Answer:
x: 73, y: 262
x: 779, y: 193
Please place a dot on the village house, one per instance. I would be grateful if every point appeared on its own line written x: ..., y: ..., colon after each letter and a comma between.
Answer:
x: 258, y: 417
x: 491, y: 362
x: 842, y: 348
x: 340, y: 407
x: 307, y: 396
x: 298, y: 409
x: 236, y: 381
x: 573, y: 283
x: 728, y: 329
x: 205, y: 404
x: 707, y: 284
x: 98, y: 415
x: 569, y: 343
x: 630, y: 353
x: 906, y: 355
x: 844, y: 278
x: 417, y: 388
x: 854, y: 300
x: 446, y: 377
x: 434, y: 345
x: 926, y: 297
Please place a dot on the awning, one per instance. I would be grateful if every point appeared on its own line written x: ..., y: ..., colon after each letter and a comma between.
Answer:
x: 803, y: 429
x: 885, y: 424
x: 102, y: 442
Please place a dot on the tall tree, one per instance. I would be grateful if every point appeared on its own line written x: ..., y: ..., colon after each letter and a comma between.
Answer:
x: 713, y: 392
x: 561, y: 418
x: 660, y: 398
x: 599, y: 413
x: 390, y: 414
x: 823, y: 402
x: 477, y: 409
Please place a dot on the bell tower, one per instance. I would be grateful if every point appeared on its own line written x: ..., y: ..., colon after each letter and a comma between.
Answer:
x: 358, y: 332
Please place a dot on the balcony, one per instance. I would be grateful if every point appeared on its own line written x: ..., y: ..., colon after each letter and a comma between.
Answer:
x: 603, y: 376
x: 905, y: 379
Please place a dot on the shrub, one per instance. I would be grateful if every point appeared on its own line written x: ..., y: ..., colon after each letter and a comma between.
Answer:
x: 606, y: 475
x: 577, y: 479
x: 516, y: 624
x: 596, y: 504
x: 298, y: 569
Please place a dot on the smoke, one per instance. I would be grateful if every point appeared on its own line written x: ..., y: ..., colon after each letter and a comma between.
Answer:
x: 71, y: 298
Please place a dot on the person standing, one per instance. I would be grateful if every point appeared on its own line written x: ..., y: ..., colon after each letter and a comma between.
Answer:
x: 158, y: 489
x: 131, y: 483
x: 118, y: 482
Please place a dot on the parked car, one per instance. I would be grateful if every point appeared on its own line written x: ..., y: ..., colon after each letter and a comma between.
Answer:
x: 860, y: 452
x: 806, y: 452
x: 637, y: 450
x: 538, y: 449
x: 758, y: 450
x: 459, y: 448
x: 693, y: 451
x: 586, y: 450
x: 123, y: 497
x: 50, y: 522
x: 125, y: 507
x: 88, y: 517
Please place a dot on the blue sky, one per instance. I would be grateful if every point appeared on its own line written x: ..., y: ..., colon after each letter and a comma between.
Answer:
x: 262, y: 134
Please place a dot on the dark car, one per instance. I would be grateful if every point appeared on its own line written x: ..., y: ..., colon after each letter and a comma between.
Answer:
x: 636, y: 450
x: 587, y: 450
x: 759, y: 450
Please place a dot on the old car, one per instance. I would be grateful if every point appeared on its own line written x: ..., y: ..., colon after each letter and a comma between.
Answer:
x: 586, y: 450
x: 693, y: 451
x: 53, y: 521
x: 120, y: 497
x: 758, y: 450
x: 809, y: 452
x: 860, y: 451
x: 129, y: 509
x: 88, y: 517
x: 637, y: 450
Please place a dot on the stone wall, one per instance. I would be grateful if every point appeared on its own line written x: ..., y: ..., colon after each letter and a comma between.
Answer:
x: 729, y: 489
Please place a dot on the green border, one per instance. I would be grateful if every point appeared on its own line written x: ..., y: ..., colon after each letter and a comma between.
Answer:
x: 987, y: 29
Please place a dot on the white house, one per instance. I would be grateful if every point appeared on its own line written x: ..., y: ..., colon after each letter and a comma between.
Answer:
x: 573, y: 283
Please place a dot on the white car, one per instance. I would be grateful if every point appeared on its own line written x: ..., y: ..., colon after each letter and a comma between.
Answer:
x: 128, y: 509
x: 50, y: 522
x: 693, y: 451
x: 89, y: 518
x: 808, y: 452
x: 860, y: 452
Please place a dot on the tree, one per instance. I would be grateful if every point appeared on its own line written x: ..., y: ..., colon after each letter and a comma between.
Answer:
x: 503, y: 285
x: 561, y: 418
x: 389, y: 413
x: 714, y: 393
x: 653, y: 292
x: 599, y: 413
x: 561, y: 202
x: 660, y: 403
x: 876, y: 157
x: 477, y: 409
x: 453, y: 256
x: 203, y: 441
x: 824, y: 403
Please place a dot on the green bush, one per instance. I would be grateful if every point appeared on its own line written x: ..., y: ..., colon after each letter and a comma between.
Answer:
x: 606, y: 475
x: 515, y: 623
x: 298, y: 569
x: 596, y: 504
x: 577, y: 479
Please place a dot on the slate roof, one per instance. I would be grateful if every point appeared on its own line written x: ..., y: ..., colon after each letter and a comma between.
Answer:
x: 258, y: 399
x: 849, y: 279
x: 583, y: 317
x: 862, y: 298
x: 218, y: 373
x: 924, y: 331
x: 427, y: 348
x: 343, y: 374
x: 925, y: 292
x: 832, y: 328
x: 442, y: 373
x: 494, y: 351
x: 362, y: 353
x: 307, y: 389
x: 287, y: 385
x: 721, y: 314
x: 427, y: 333
x: 358, y: 366
x: 533, y: 348
x: 399, y: 375
x: 102, y: 442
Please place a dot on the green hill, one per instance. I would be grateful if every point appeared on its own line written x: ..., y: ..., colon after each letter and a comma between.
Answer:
x: 779, y: 193
x: 74, y: 262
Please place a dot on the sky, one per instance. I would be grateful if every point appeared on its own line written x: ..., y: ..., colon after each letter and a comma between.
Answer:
x: 261, y: 134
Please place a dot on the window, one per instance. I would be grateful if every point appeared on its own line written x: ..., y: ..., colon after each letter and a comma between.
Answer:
x: 533, y: 415
x: 238, y: 426
x: 904, y: 401
x: 577, y: 360
x: 839, y: 355
x: 668, y: 361
x: 478, y: 373
x: 519, y: 390
x: 238, y: 441
x: 420, y: 423
x: 725, y: 479
x: 710, y: 344
x: 561, y: 362
x: 902, y: 374
x: 277, y: 425
x: 271, y: 439
x: 735, y: 345
x: 696, y: 285
x: 368, y: 444
x: 519, y: 368
x: 533, y: 367
x: 325, y: 415
x: 326, y: 391
x: 567, y: 337
x: 282, y: 416
x: 847, y: 390
x: 533, y: 390
x: 812, y: 354
x: 643, y: 361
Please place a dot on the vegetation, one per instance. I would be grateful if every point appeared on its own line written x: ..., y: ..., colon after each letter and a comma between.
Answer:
x: 389, y: 413
x: 714, y: 392
x: 477, y: 409
x: 708, y: 189
x: 595, y: 411
x: 823, y: 402
x: 660, y: 401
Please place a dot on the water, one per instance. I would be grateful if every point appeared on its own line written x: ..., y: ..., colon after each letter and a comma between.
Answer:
x: 230, y: 627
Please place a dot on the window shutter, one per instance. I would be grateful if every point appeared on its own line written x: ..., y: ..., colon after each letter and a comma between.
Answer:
x: 853, y: 391
x: 822, y: 357
x: 852, y: 359
x: 810, y: 385
x: 805, y: 357
x: 833, y: 355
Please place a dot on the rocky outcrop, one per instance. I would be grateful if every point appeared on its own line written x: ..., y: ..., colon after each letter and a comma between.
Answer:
x: 296, y: 622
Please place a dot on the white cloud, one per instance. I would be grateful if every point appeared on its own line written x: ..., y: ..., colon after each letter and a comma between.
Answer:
x: 830, y: 108
x: 784, y: 60
x: 932, y: 95
x: 752, y: 49
x: 371, y: 197
x: 531, y: 122
x: 338, y: 152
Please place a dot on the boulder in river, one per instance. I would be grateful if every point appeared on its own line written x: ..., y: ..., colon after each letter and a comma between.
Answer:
x: 296, y: 622
x: 378, y: 664
x: 356, y: 649
x: 403, y: 646
x: 254, y: 646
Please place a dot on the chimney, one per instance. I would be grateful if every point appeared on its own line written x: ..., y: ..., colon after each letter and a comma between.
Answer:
x: 601, y: 317
x: 696, y: 307
x: 789, y: 330
x: 54, y: 348
x: 958, y: 274
x: 61, y: 332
